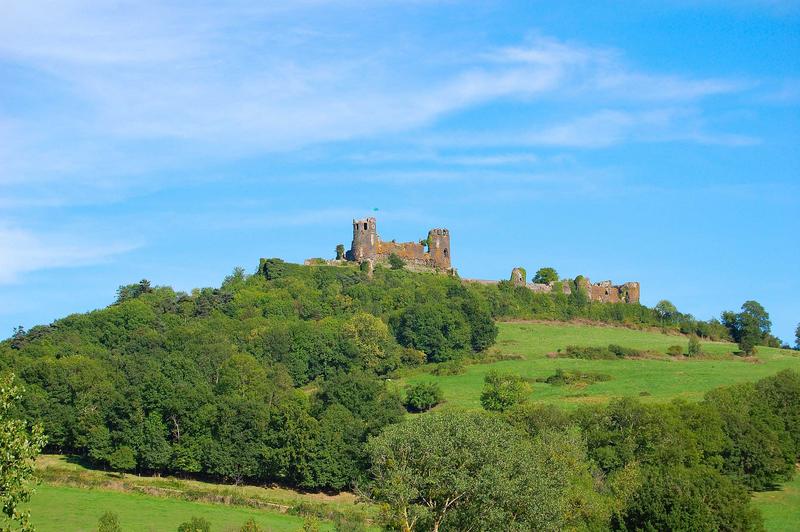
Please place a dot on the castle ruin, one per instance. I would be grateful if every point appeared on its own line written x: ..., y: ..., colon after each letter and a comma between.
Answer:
x: 602, y: 292
x: 368, y: 246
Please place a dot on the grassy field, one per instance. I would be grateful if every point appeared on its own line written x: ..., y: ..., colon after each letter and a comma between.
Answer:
x: 781, y: 508
x: 61, y: 508
x: 651, y: 379
x: 73, y: 497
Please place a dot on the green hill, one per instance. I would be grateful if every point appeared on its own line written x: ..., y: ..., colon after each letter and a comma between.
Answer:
x: 656, y: 378
x: 299, y: 376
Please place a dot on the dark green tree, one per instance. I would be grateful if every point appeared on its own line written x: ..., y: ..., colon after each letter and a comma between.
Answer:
x: 122, y: 459
x: 750, y: 327
x: 545, y: 276
x: 339, y: 251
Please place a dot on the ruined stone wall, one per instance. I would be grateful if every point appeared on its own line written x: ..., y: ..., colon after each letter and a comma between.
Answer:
x: 603, y: 292
x: 439, y: 248
x: 408, y: 251
x: 367, y: 246
x: 606, y: 292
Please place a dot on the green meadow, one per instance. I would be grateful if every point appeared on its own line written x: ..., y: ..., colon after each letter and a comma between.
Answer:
x: 653, y: 379
x: 62, y: 508
x: 781, y: 508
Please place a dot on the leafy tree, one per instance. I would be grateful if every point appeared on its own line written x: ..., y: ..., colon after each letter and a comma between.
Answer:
x: 758, y: 451
x: 690, y: 498
x: 396, y: 262
x: 436, y: 329
x: 339, y: 251
x: 466, y: 470
x: 109, y: 522
x: 19, y: 446
x: 750, y: 327
x: 364, y: 396
x: 545, y: 276
x: 122, y: 459
x: 154, y: 451
x: 423, y: 396
x: 797, y: 337
x: 132, y: 291
x: 502, y: 391
x: 371, y: 340
x: 195, y: 524
x: 694, y: 348
x: 666, y: 311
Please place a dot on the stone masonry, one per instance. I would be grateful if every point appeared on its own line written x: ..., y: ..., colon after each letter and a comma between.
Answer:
x: 368, y: 246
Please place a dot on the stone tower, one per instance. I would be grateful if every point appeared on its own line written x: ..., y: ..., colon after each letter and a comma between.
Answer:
x: 365, y: 240
x: 518, y: 277
x: 439, y: 247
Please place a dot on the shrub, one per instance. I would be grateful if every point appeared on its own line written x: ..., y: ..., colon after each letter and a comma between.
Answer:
x: 611, y: 352
x: 195, y: 524
x: 423, y: 396
x: 675, y: 350
x: 451, y: 367
x: 395, y: 262
x: 109, y: 522
x: 567, y: 377
x: 694, y: 346
x: 251, y: 526
x: 502, y: 391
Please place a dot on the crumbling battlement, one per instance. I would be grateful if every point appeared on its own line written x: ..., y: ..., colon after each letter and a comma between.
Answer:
x: 368, y: 246
x: 602, y: 292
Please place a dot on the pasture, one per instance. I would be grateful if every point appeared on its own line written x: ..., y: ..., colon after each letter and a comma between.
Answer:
x: 652, y: 379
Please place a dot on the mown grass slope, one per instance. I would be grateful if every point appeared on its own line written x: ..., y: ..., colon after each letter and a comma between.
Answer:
x: 73, y: 497
x: 60, y: 508
x: 652, y: 379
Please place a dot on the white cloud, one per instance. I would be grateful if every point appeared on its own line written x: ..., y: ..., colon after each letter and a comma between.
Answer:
x: 152, y: 87
x: 23, y: 251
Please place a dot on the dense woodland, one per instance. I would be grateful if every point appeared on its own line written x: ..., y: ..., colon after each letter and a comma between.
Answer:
x: 283, y: 376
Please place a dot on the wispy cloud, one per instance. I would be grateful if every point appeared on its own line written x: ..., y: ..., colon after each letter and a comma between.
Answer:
x: 146, y: 88
x: 23, y: 251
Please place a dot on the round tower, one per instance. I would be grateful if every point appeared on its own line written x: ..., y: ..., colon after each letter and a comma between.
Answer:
x: 365, y: 240
x: 439, y: 248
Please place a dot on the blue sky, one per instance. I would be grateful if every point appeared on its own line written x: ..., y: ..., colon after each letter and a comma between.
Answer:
x: 173, y: 141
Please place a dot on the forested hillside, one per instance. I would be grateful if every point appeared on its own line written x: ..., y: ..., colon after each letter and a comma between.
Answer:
x: 285, y: 376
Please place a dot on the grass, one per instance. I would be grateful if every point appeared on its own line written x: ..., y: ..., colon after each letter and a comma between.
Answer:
x: 59, y: 508
x: 652, y: 379
x: 781, y: 508
x: 73, y: 497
